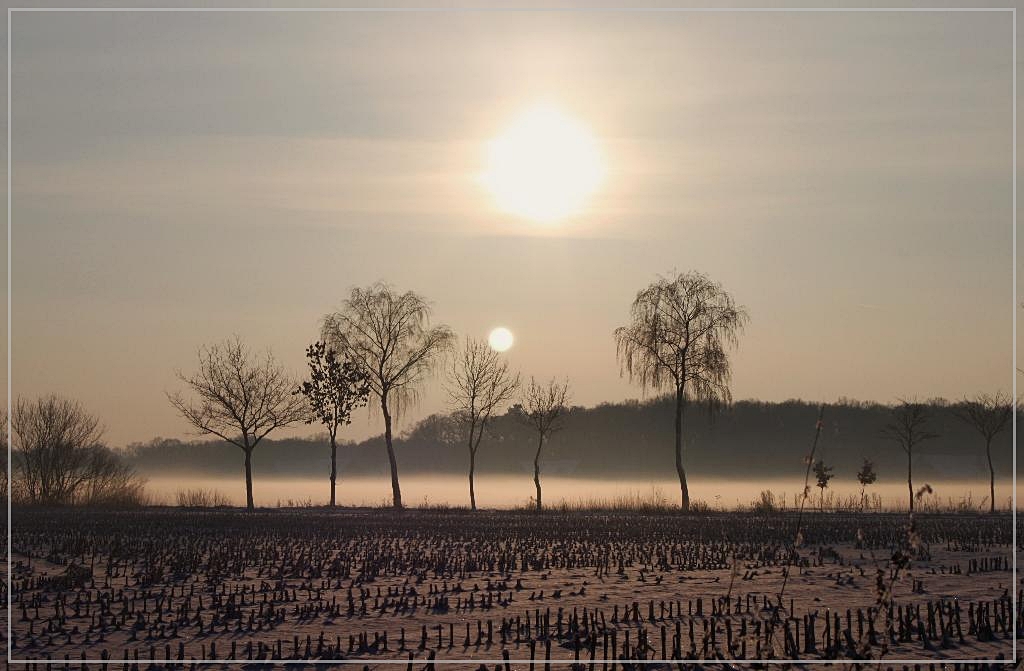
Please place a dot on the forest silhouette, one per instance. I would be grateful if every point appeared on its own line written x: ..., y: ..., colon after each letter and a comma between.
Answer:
x: 755, y: 439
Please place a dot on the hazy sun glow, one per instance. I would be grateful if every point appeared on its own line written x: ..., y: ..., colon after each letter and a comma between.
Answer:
x: 500, y: 339
x: 544, y: 166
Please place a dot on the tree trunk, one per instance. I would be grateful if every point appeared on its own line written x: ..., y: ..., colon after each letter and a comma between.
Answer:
x: 396, y: 490
x: 910, y: 481
x: 248, y: 480
x: 472, y: 461
x: 991, y: 477
x: 334, y: 469
x: 680, y: 407
x: 472, y: 467
x: 536, y: 469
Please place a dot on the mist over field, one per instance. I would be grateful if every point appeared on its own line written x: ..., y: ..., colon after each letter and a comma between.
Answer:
x: 750, y: 441
x: 515, y: 491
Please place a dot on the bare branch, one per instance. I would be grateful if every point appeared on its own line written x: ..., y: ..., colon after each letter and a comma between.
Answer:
x: 240, y: 398
x: 908, y: 429
x: 479, y: 383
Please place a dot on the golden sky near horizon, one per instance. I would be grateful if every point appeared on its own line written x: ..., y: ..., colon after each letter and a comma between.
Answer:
x: 179, y: 178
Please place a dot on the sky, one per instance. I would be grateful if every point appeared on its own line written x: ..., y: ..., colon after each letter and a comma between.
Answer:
x: 179, y: 178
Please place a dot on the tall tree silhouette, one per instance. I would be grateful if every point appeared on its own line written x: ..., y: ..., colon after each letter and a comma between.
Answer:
x: 334, y: 389
x: 988, y: 415
x: 240, y: 398
x: 677, y: 339
x: 479, y: 383
x: 388, y: 334
x: 542, y: 409
x: 907, y: 429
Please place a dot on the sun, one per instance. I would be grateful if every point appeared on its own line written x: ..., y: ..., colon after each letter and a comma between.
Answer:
x: 500, y: 339
x: 544, y: 166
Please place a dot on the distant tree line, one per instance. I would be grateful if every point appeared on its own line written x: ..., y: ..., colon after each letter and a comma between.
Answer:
x: 748, y: 439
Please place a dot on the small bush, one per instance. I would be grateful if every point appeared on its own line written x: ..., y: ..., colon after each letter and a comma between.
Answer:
x: 120, y: 488
x: 700, y: 507
x: 965, y: 504
x: 654, y: 502
x: 128, y: 494
x: 297, y: 503
x: 201, y: 498
x: 427, y: 504
x: 766, y: 503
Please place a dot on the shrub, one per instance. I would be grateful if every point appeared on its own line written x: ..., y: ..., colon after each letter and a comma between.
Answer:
x: 766, y: 503
x: 201, y: 498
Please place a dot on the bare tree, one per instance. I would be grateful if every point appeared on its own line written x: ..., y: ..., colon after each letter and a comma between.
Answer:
x: 61, y: 458
x: 334, y: 389
x: 389, y: 335
x: 240, y: 398
x: 907, y: 429
x: 543, y: 409
x: 677, y: 339
x: 989, y: 415
x: 479, y: 383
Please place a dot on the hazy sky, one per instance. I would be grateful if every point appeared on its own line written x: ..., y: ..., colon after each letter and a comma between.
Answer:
x: 178, y: 178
